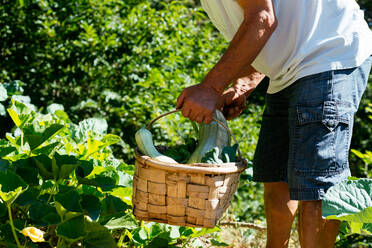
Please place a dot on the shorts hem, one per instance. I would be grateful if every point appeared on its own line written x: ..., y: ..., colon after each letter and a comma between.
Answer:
x: 312, y: 194
x: 268, y: 179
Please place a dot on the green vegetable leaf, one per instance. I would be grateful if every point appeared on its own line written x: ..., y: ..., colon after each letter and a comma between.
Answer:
x: 21, y: 113
x: 52, y: 108
x: 26, y: 169
x: 35, y: 137
x: 229, y: 153
x: 98, y: 236
x: 64, y: 165
x: 211, y: 157
x: 43, y: 214
x: 73, y: 229
x: 119, y: 221
x: 91, y: 205
x: 70, y: 200
x: 14, y: 87
x: 10, y: 181
x: 350, y: 201
x: 44, y: 165
x: 112, y: 205
x: 11, y: 196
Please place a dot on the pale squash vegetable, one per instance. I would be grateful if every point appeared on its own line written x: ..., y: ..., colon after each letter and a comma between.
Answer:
x: 146, y: 146
x: 210, y: 136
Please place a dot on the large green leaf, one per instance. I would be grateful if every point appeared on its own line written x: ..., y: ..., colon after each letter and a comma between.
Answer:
x: 35, y: 136
x: 43, y: 214
x: 10, y: 181
x: 44, y: 165
x: 124, y: 193
x: 70, y: 200
x: 10, y: 196
x: 113, y: 205
x: 52, y: 108
x: 4, y: 164
x: 4, y: 151
x: 119, y: 221
x: 98, y: 236
x: 21, y: 113
x: 29, y: 196
x: 84, y: 169
x: 14, y: 87
x: 26, y: 169
x: 73, y: 229
x: 63, y: 165
x: 106, y: 178
x: 350, y: 200
x: 91, y: 205
x: 80, y: 132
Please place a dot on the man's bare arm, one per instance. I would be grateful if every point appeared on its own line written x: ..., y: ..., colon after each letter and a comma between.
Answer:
x: 234, y: 98
x: 258, y: 25
x: 198, y: 102
x: 247, y: 80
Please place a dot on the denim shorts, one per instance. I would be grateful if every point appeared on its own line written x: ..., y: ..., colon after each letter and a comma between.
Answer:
x: 306, y: 132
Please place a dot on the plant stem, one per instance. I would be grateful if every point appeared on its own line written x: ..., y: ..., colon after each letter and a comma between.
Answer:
x: 59, y: 241
x: 12, y: 226
x: 53, y: 191
x: 186, y: 242
x: 21, y: 148
x: 121, y: 239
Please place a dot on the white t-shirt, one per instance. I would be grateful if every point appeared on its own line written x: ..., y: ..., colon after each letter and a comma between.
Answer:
x: 312, y: 36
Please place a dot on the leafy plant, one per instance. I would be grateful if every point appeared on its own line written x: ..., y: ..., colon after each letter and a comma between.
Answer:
x: 61, y: 184
x: 350, y: 201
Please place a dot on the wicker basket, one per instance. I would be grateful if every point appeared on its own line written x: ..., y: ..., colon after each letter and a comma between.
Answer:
x: 184, y: 195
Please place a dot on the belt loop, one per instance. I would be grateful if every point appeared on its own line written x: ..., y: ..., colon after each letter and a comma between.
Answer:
x: 332, y: 72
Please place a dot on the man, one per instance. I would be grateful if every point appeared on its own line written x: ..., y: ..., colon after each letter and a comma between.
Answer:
x: 317, y: 56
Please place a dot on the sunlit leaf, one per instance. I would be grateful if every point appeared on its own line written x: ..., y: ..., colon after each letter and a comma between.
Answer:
x: 119, y: 221
x: 37, y: 137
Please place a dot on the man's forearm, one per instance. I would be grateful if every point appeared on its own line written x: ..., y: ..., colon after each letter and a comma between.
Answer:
x: 248, y: 80
x: 251, y: 37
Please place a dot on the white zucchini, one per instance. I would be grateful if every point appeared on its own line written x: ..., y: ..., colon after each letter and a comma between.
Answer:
x: 146, y: 146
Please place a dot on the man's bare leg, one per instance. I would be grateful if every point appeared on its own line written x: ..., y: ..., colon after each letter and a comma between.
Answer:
x: 280, y: 212
x: 313, y: 230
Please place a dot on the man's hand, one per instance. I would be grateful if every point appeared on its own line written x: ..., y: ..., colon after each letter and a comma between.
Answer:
x: 234, y: 98
x: 198, y: 103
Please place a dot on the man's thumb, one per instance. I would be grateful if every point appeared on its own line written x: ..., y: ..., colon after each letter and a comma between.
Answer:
x: 180, y: 100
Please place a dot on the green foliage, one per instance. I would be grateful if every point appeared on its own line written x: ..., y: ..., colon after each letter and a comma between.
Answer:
x: 64, y: 179
x: 350, y: 201
x: 123, y: 61
x: 228, y: 154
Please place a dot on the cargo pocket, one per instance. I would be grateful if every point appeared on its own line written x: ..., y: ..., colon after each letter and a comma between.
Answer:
x: 322, y: 139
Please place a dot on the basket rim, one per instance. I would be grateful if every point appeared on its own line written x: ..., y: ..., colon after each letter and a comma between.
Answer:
x: 201, y: 168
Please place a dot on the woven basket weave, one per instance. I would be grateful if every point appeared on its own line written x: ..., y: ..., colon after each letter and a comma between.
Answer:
x: 184, y: 195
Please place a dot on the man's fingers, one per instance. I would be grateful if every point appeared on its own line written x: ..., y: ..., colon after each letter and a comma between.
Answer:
x: 199, y: 119
x: 180, y: 100
x: 207, y: 120
x: 186, y: 111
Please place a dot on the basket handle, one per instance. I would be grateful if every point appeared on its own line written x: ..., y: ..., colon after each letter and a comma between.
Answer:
x: 220, y: 123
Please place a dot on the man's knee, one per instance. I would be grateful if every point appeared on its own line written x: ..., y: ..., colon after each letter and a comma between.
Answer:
x: 313, y: 208
x: 277, y: 201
